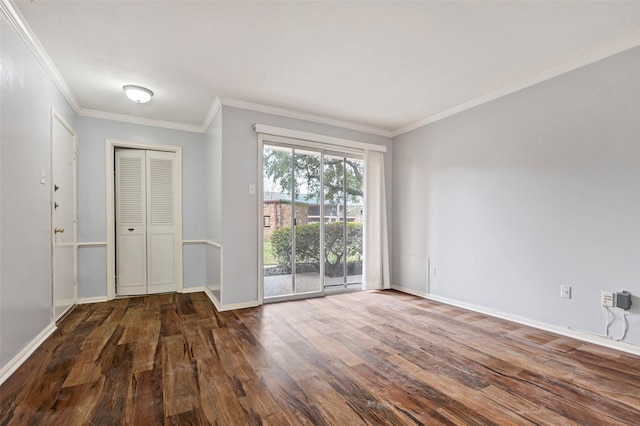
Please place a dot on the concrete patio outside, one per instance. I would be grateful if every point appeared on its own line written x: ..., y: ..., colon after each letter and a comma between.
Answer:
x: 280, y: 285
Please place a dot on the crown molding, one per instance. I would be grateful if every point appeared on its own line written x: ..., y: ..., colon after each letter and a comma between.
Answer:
x: 84, y: 112
x: 564, y: 68
x: 24, y: 31
x: 213, y: 111
x: 285, y: 112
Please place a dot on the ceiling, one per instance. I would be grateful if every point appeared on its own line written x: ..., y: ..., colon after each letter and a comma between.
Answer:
x: 384, y: 67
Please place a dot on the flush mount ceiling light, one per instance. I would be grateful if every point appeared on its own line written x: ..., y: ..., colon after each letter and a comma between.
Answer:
x: 138, y: 94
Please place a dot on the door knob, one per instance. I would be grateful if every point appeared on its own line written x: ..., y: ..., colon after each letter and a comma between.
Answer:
x: 58, y: 230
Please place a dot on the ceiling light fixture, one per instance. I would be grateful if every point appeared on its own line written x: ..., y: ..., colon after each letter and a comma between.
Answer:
x: 138, y: 94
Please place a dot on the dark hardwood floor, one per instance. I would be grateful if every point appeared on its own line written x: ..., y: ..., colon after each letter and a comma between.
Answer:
x: 361, y: 358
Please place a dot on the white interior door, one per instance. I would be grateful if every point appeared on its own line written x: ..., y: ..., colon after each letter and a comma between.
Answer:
x: 63, y: 216
x: 146, y: 212
x: 131, y: 225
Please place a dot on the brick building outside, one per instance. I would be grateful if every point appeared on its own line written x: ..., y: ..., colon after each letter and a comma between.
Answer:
x: 277, y: 212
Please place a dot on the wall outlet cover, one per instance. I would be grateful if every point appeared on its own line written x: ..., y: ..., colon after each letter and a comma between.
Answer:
x: 606, y: 298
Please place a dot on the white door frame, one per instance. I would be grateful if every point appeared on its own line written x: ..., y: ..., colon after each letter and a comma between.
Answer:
x: 110, y: 147
x: 55, y: 115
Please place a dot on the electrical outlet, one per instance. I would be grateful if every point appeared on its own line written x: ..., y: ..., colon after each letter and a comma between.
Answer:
x: 565, y: 291
x: 606, y: 298
x: 432, y: 271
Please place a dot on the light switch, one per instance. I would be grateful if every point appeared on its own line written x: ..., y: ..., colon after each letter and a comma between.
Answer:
x: 43, y: 176
x: 252, y: 189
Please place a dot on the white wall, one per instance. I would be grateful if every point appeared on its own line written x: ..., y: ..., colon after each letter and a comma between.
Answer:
x: 26, y: 97
x: 513, y: 198
x: 240, y: 209
x: 213, y: 170
x: 92, y: 196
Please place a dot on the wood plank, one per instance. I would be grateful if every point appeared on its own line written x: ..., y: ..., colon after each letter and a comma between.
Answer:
x: 116, y: 367
x: 528, y: 410
x: 82, y: 373
x: 217, y: 394
x: 179, y: 376
x: 145, y: 347
x: 260, y: 405
x: 145, y: 403
x: 360, y: 358
x: 472, y: 405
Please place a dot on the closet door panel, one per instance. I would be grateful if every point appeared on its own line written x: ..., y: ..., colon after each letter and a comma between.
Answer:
x: 131, y: 244
x: 161, y: 222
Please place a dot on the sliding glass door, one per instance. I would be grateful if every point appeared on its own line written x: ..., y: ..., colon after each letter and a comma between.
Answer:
x: 291, y: 243
x: 312, y: 221
x: 343, y: 195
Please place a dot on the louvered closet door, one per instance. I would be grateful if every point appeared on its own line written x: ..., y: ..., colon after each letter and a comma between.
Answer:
x: 146, y: 191
x: 161, y: 222
x: 131, y: 226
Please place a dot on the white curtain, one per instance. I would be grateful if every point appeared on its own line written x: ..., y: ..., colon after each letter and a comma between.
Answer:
x: 376, y: 244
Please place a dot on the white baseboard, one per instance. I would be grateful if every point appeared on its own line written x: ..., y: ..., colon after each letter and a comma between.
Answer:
x: 9, y: 368
x: 212, y: 298
x: 220, y: 307
x: 96, y: 299
x: 564, y: 331
x: 192, y: 289
x: 242, y: 305
x: 410, y: 291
